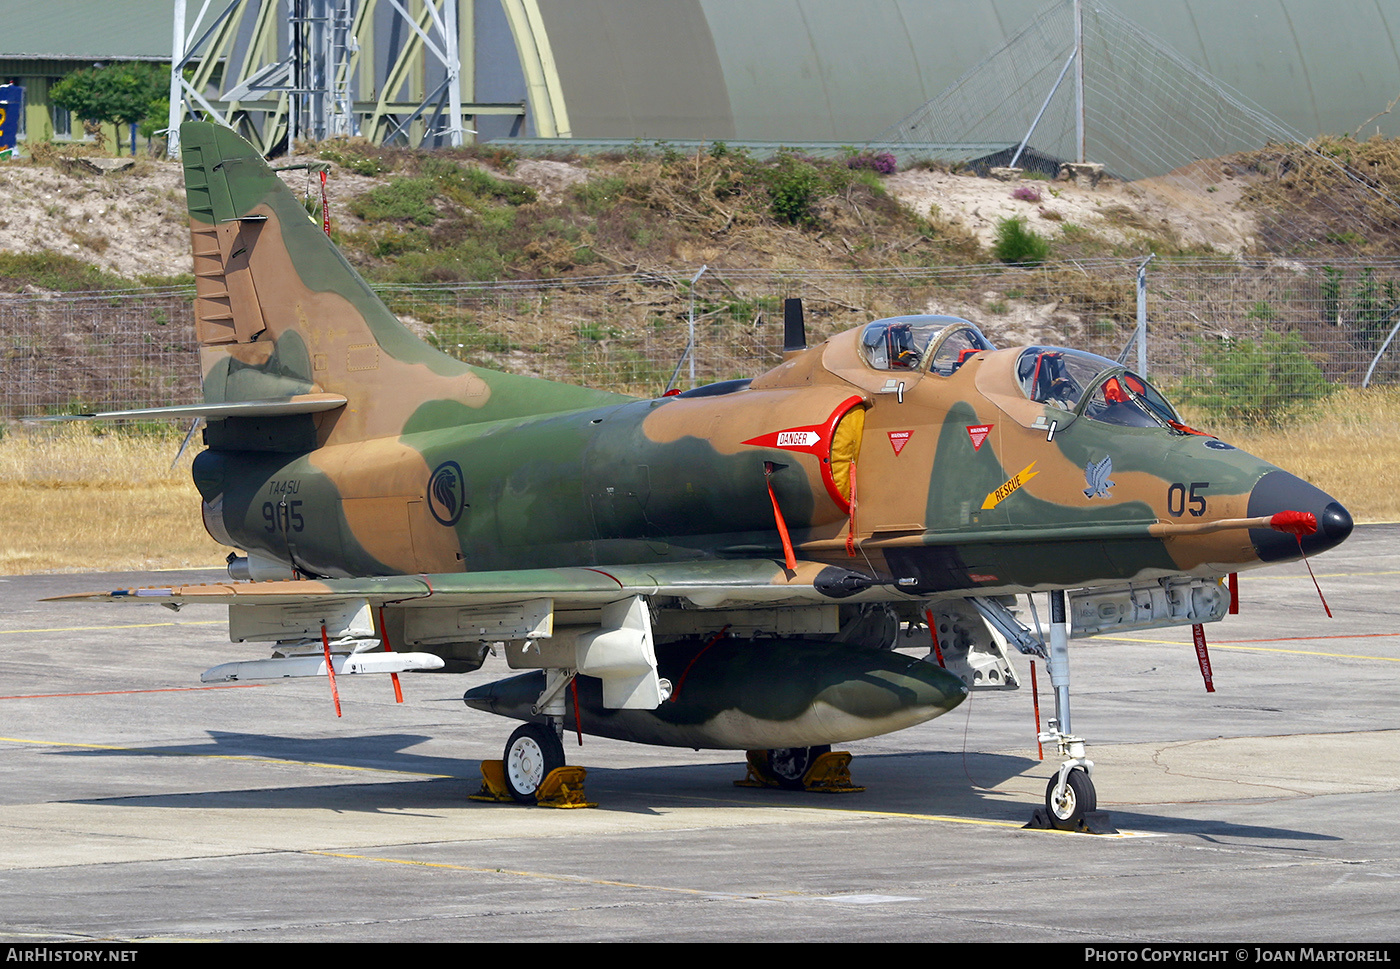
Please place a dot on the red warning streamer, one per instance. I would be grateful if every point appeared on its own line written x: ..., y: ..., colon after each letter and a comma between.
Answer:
x: 1298, y: 524
x: 1035, y: 700
x: 851, y: 532
x: 1198, y: 634
x: 384, y: 641
x: 325, y: 205
x: 933, y: 634
x: 330, y: 668
x: 788, y: 557
x: 676, y: 690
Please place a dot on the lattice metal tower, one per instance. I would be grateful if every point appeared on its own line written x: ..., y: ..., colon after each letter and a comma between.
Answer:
x: 280, y: 70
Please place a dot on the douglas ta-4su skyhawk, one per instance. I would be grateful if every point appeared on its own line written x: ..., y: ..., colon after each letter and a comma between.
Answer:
x: 730, y: 567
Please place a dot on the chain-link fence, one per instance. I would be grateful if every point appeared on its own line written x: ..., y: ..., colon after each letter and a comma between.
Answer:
x: 1290, y: 324
x: 77, y: 352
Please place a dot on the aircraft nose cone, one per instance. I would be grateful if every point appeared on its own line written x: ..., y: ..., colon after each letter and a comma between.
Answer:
x: 1280, y: 491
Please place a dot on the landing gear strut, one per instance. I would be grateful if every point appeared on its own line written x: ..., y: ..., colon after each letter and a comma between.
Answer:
x: 1071, y: 804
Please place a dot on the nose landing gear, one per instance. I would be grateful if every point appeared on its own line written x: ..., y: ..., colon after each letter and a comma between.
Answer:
x: 1071, y: 803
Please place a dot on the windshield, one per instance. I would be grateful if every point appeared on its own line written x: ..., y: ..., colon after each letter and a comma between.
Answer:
x: 1065, y: 378
x: 957, y: 344
x: 1058, y: 377
x: 908, y: 343
x: 1125, y: 398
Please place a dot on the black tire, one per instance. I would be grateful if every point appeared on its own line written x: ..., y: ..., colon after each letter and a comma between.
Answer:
x: 1079, y: 799
x: 531, y: 753
x: 789, y: 765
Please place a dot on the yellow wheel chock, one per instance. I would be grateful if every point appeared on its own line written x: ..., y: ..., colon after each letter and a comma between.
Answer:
x: 563, y: 788
x: 830, y: 773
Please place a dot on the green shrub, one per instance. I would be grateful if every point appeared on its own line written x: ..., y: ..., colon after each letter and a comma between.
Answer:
x: 793, y: 187
x: 598, y: 195
x: 1266, y: 382
x: 402, y: 199
x: 1019, y: 244
x: 52, y: 270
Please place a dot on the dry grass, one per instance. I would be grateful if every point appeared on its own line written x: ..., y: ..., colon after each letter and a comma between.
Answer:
x: 75, y: 501
x: 1350, y: 449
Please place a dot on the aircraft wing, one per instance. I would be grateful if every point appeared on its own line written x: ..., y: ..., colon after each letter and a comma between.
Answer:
x: 707, y: 584
x: 267, y: 407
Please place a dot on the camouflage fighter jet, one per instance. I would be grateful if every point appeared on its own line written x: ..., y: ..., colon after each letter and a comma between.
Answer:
x: 729, y: 567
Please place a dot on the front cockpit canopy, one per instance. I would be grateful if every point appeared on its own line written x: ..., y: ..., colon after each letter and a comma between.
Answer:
x: 939, y: 344
x: 1106, y: 390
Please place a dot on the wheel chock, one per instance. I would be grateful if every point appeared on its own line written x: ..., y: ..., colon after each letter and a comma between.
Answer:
x: 755, y: 772
x: 1093, y: 822
x: 493, y: 783
x: 830, y: 773
x: 563, y: 788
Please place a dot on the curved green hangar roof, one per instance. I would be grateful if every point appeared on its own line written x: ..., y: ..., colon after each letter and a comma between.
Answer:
x: 833, y: 70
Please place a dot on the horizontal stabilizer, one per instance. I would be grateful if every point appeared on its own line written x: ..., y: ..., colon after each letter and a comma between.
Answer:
x: 295, y: 666
x: 268, y: 407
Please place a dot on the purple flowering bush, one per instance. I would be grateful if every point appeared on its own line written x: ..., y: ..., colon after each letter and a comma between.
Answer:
x: 881, y: 162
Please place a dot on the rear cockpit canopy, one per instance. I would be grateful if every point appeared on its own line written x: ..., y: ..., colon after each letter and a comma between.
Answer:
x: 1100, y: 388
x: 938, y: 344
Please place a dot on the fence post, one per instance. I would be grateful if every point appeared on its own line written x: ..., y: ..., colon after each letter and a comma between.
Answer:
x: 1142, y: 315
x: 690, y: 348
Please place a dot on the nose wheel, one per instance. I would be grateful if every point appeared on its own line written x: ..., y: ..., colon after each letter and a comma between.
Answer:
x: 531, y: 753
x: 1069, y: 799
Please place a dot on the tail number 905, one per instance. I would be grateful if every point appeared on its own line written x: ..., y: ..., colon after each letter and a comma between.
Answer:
x: 284, y: 516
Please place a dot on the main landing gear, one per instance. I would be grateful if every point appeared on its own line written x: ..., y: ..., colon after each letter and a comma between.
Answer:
x: 533, y: 771
x: 789, y: 765
x: 533, y: 751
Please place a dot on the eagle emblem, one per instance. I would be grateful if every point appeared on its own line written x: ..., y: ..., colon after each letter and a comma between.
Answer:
x: 1096, y: 477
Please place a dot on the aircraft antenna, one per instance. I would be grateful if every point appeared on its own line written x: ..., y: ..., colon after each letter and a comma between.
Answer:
x: 794, y: 327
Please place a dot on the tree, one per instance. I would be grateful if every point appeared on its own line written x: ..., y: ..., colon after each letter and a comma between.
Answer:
x: 119, y: 94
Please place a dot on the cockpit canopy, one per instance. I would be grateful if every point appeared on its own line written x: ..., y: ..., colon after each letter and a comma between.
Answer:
x: 938, y: 344
x: 1106, y: 390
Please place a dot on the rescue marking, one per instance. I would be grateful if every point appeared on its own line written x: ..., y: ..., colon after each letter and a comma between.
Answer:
x: 1010, y: 487
x: 898, y: 439
x: 978, y: 433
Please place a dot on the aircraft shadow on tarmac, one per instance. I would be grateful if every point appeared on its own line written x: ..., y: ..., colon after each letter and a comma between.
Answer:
x: 947, y: 784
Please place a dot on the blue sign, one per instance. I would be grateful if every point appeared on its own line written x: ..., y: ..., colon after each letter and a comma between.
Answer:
x: 11, y: 104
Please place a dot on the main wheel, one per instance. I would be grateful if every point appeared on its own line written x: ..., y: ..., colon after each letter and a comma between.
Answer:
x: 789, y: 765
x: 531, y: 753
x: 1077, y: 799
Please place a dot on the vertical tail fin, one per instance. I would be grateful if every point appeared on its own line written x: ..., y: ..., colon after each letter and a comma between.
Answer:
x: 279, y: 312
